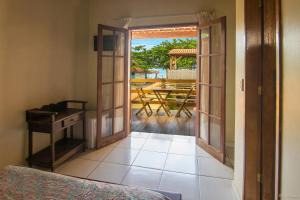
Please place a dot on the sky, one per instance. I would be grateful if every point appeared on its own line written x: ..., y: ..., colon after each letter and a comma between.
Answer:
x: 151, y: 42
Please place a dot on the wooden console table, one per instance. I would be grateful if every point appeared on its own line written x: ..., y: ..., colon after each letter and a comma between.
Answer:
x: 53, y: 119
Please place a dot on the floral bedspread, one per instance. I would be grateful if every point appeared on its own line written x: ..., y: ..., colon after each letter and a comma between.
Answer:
x: 18, y: 183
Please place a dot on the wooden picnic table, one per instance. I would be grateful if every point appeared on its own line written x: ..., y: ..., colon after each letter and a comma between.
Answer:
x: 174, y: 91
x: 162, y: 94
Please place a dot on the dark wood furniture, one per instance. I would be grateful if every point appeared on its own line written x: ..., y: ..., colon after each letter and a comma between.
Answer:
x: 54, y: 119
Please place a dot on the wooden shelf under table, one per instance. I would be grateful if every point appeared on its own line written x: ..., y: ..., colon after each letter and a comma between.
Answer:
x: 64, y: 149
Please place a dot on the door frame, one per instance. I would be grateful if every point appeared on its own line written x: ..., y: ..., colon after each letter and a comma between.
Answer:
x: 132, y: 28
x: 263, y: 99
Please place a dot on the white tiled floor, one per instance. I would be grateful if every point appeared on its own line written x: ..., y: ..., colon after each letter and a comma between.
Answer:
x: 122, y: 156
x: 157, y: 161
x: 150, y: 159
x: 182, y: 164
x: 143, y: 177
x: 109, y: 172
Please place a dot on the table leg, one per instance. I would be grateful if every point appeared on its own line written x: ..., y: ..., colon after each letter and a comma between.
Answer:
x: 52, y: 140
x: 30, y: 143
x: 72, y: 132
x: 183, y: 106
x: 65, y: 134
x: 163, y: 103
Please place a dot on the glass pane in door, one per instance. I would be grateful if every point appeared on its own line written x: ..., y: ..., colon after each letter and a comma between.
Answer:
x: 204, y: 41
x: 106, y: 124
x: 216, y: 32
x: 107, y: 69
x: 215, y: 133
x: 215, y: 101
x: 107, y: 96
x: 204, y: 126
x: 204, y: 72
x: 215, y: 70
x: 204, y: 98
x: 119, y: 69
x: 119, y: 94
x: 119, y: 120
x: 108, y: 42
x: 120, y: 43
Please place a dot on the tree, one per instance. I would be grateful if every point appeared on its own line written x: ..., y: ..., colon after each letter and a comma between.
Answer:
x: 157, y: 56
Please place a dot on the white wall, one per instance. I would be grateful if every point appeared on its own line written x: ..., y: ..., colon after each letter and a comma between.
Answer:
x: 41, y: 45
x: 239, y: 100
x: 108, y: 13
x: 291, y: 107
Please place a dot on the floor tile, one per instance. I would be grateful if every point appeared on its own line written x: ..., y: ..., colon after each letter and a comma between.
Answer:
x: 157, y: 145
x: 77, y: 167
x: 143, y: 177
x: 216, y: 189
x: 132, y: 143
x: 161, y: 136
x: 140, y: 134
x: 186, y: 184
x: 97, y: 155
x: 183, y: 148
x: 122, y: 156
x: 182, y: 138
x: 149, y: 159
x: 214, y: 168
x: 109, y: 172
x: 181, y: 163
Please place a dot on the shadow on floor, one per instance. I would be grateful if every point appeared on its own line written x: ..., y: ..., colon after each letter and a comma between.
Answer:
x: 161, y: 123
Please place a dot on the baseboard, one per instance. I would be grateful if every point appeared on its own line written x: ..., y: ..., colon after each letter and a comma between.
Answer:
x: 289, y: 197
x: 235, y: 191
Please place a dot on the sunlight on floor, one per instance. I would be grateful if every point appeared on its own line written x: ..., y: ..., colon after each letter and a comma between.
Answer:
x: 157, y: 161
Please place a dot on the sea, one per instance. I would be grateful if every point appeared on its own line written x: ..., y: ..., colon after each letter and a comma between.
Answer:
x: 162, y: 73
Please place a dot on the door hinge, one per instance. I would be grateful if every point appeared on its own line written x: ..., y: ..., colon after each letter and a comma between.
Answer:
x: 259, y: 178
x: 259, y: 90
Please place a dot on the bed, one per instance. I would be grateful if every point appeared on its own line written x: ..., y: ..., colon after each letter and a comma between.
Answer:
x: 18, y: 183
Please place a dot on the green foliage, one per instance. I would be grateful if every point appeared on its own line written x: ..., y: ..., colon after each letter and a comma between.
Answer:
x: 158, y: 57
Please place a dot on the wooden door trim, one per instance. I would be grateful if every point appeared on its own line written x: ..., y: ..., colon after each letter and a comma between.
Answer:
x: 263, y: 97
x: 253, y: 26
x: 269, y: 99
x: 99, y: 85
x: 279, y: 97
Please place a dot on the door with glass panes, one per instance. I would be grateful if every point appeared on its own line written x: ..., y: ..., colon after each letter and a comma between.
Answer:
x: 112, y: 84
x: 210, y: 115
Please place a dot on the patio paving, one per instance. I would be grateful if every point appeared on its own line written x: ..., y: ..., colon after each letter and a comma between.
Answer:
x: 161, y: 123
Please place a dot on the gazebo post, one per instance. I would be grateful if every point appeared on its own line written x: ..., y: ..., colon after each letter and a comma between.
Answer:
x: 173, y: 62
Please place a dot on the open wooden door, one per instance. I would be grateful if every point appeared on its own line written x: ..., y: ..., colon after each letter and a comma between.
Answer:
x: 210, y: 115
x: 112, y: 85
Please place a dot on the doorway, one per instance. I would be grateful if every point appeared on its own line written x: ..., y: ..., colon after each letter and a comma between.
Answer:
x: 163, y: 79
x: 201, y: 100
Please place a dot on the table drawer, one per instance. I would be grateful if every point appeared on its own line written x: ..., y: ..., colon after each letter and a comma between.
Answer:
x: 71, y: 120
